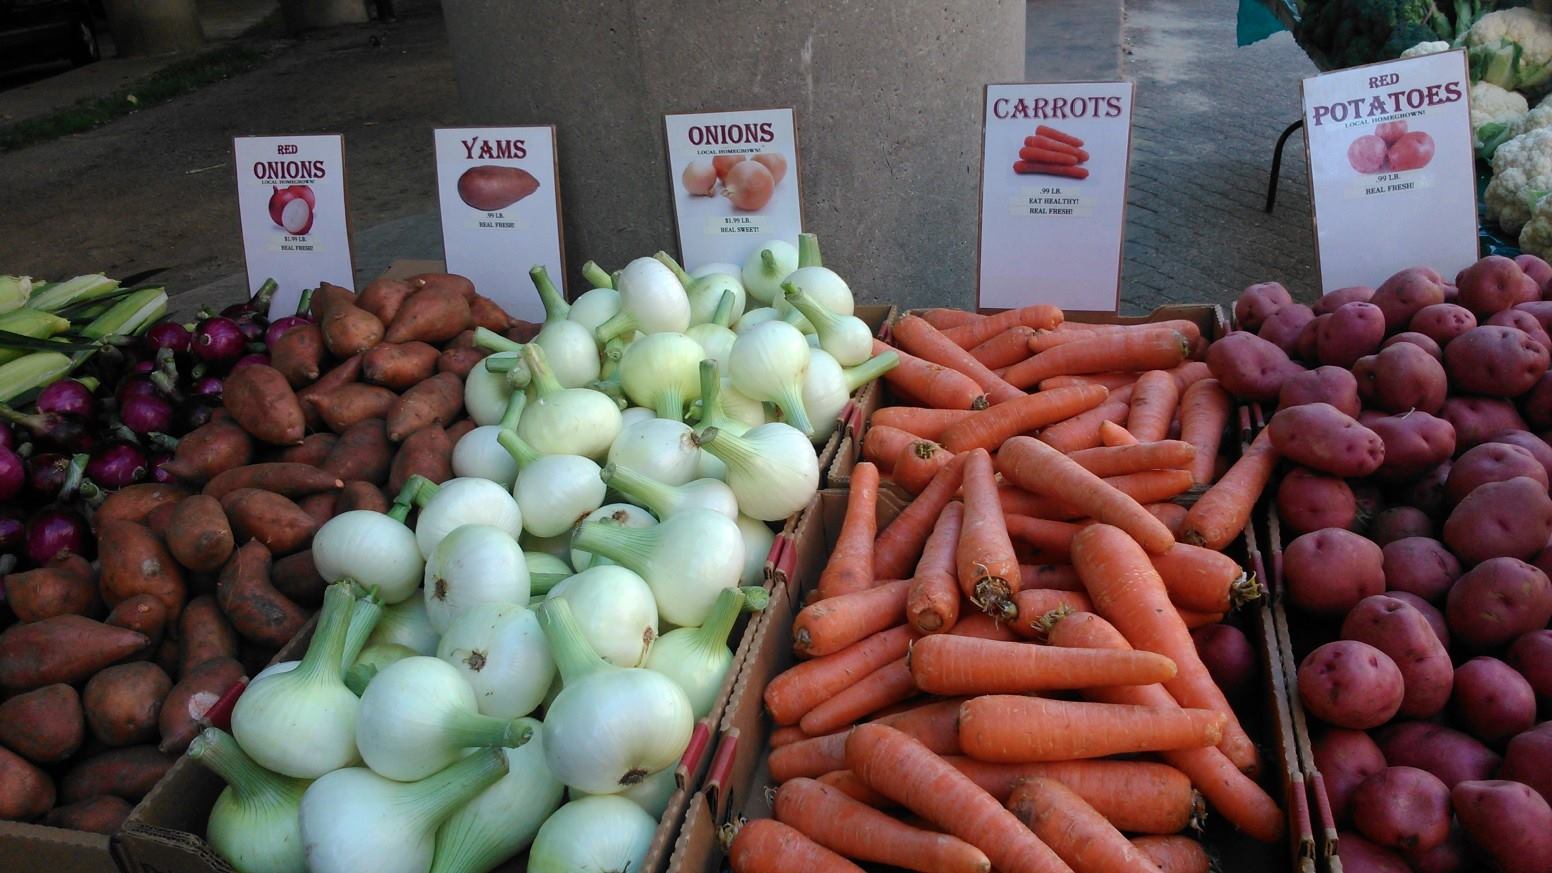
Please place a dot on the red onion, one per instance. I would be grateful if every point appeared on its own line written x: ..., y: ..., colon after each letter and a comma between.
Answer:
x: 144, y: 415
x: 12, y: 532
x: 168, y: 335
x: 252, y: 327
x: 192, y: 415
x: 142, y: 368
x: 137, y: 386
x: 67, y: 397
x: 218, y: 341
x: 54, y: 530
x: 13, y: 475
x: 250, y: 359
x: 206, y: 388
x: 157, y: 462
x: 280, y: 326
x: 117, y: 465
x: 7, y: 437
x: 62, y: 430
x: 46, y: 474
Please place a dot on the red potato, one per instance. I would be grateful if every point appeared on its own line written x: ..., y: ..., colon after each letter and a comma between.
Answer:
x: 1445, y: 752
x: 448, y: 282
x: 1390, y: 131
x: 1257, y: 303
x: 1249, y: 367
x: 1359, y: 855
x: 1351, y: 294
x: 360, y: 495
x: 1350, y: 684
x: 1491, y: 462
x: 1495, y: 361
x: 1354, y: 330
x: 459, y: 361
x: 1509, y: 823
x: 1229, y: 657
x: 1436, y: 622
x: 25, y: 791
x: 190, y: 700
x: 1537, y: 269
x: 1304, y: 346
x: 437, y: 400
x: 1398, y: 630
x: 1510, y: 519
x: 1400, y: 378
x: 311, y: 451
x: 297, y: 577
x: 1426, y: 492
x: 1404, y: 294
x: 1528, y: 759
x: 1478, y: 419
x: 289, y: 480
x: 398, y: 366
x: 1334, y: 385
x: 1399, y: 523
x: 488, y: 314
x: 98, y: 815
x: 1442, y: 322
x: 427, y: 452
x: 136, y: 502
x: 277, y: 522
x: 1420, y: 566
x: 1412, y: 151
x: 298, y: 354
x: 1368, y: 154
x: 1345, y: 758
x: 1497, y: 601
x: 1283, y: 326
x: 349, y: 330
x: 1524, y: 322
x: 1537, y: 403
x: 1403, y: 808
x: 1495, y: 283
x: 363, y: 453
x: 1531, y: 655
x: 319, y: 506
x: 1492, y: 701
x: 129, y: 773
x: 348, y: 405
x: 1414, y: 442
x: 1320, y: 436
x: 1409, y: 337
x: 1528, y: 441
x: 260, y: 614
x: 1309, y: 501
x: 123, y: 703
x: 1329, y: 571
x: 45, y: 726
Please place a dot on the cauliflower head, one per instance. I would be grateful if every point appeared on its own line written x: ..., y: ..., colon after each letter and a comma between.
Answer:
x: 1495, y: 117
x: 1426, y: 48
x: 1512, y: 48
x: 1536, y: 235
x: 1522, y: 173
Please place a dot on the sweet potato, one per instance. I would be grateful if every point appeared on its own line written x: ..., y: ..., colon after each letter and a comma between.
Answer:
x: 210, y: 449
x: 298, y: 354
x: 1442, y: 322
x: 1522, y: 321
x: 349, y: 404
x: 1320, y: 436
x: 1421, y: 566
x: 348, y: 330
x: 1283, y: 326
x: 1333, y: 385
x: 133, y: 561
x: 1509, y: 823
x: 460, y: 361
x: 1445, y: 752
x: 122, y: 703
x: 431, y: 315
x: 1496, y: 601
x: 277, y: 522
x: 344, y: 373
x: 189, y: 700
x: 459, y: 429
x: 128, y: 773
x: 65, y: 648
x: 136, y: 502
x: 262, y: 402
x: 200, y: 537
x: 297, y: 578
x: 1398, y: 630
x: 1478, y: 419
x: 277, y: 477
x: 319, y: 506
x: 1345, y: 759
x: 311, y: 451
x: 1352, y: 331
x: 1308, y: 501
x: 1531, y: 654
x: 327, y: 296
x: 427, y: 452
x: 1500, y: 519
x: 1361, y: 855
x: 1491, y: 462
x: 1350, y: 684
x: 1492, y: 701
x: 488, y: 314
x: 1249, y: 367
x: 1412, y: 337
x: 66, y: 585
x: 443, y: 282
x: 204, y: 634
x: 360, y: 495
x: 1400, y: 378
x: 1398, y: 523
x: 363, y: 453
x: 1495, y: 283
x: 1329, y: 571
x: 142, y: 613
x: 1528, y: 759
x: 383, y: 297
x: 1414, y: 442
x: 437, y: 400
x: 1403, y: 808
x: 25, y: 791
x: 1495, y: 361
x: 398, y: 366
x: 1258, y: 302
x: 259, y: 613
x: 44, y: 726
x: 96, y: 815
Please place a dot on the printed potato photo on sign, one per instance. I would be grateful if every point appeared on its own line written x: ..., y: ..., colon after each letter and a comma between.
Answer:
x: 490, y: 188
x: 1391, y: 148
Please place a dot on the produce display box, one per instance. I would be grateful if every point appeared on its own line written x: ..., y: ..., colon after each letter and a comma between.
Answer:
x: 32, y: 848
x: 738, y: 782
x: 1209, y: 317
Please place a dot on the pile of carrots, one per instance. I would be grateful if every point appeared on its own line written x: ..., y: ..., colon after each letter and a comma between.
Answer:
x: 1051, y: 152
x: 973, y: 672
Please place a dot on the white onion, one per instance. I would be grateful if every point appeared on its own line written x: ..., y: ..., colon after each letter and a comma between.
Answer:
x: 462, y: 501
x: 772, y: 469
x: 553, y: 491
x: 373, y: 548
x: 687, y: 559
x: 478, y: 455
x: 504, y: 818
x: 253, y: 823
x: 768, y: 363
x: 698, y: 658
x: 595, y: 307
x: 662, y: 449
x: 665, y: 500
x: 593, y: 835
x: 501, y: 653
x: 758, y: 538
x: 652, y: 300
x: 622, y: 514
x: 766, y: 267
x: 614, y: 611
x: 473, y: 565
x: 562, y: 420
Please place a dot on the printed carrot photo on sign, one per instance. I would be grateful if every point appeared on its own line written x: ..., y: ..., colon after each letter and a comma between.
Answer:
x: 1051, y: 152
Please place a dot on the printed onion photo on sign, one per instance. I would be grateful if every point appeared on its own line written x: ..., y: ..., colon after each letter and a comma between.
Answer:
x: 490, y: 188
x: 1391, y: 148
x: 292, y: 208
x: 747, y: 181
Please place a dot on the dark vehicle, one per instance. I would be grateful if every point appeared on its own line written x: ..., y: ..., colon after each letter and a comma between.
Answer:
x: 39, y: 31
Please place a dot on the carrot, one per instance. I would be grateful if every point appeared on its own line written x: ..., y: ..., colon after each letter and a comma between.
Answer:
x: 1034, y: 604
x: 885, y: 686
x: 1047, y: 156
x: 1153, y: 406
x: 897, y: 548
x: 917, y: 462
x: 988, y: 428
x: 947, y: 664
x: 922, y: 339
x: 1038, y: 316
x: 787, y: 735
x: 882, y: 444
x: 1052, y: 577
x: 850, y: 567
x: 1174, y: 854
x: 834, y: 820
x: 984, y: 560
x: 1234, y: 795
x: 801, y: 688
x: 1190, y: 373
x: 1052, y: 537
x: 1194, y: 619
x: 932, y: 603
x: 904, y: 770
x: 1012, y: 729
x: 927, y: 424
x: 1035, y: 466
x: 1203, y: 580
x: 1031, y: 168
x: 1120, y: 460
x: 1222, y: 511
x: 1148, y: 486
x: 1005, y: 349
x: 1113, y: 435
x: 1053, y: 133
x: 768, y: 846
x: 935, y: 725
x: 1073, y: 829
x: 931, y: 383
x: 1071, y: 332
x: 1109, y: 380
x: 943, y: 319
x: 1082, y: 431
x: 1128, y: 592
x: 1173, y: 515
x: 1103, y: 353
x: 1114, y: 788
x: 848, y: 784
x: 1204, y: 415
x: 979, y: 625
x: 829, y: 625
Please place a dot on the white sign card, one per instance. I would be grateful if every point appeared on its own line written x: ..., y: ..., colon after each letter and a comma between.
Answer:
x: 734, y: 177
x: 291, y: 201
x: 1054, y: 162
x: 1392, y: 174
x: 500, y: 206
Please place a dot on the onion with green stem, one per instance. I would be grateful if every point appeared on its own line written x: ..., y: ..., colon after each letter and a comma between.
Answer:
x: 364, y: 616
x: 652, y: 300
x: 553, y: 491
x: 846, y: 337
x: 615, y: 612
x: 376, y: 548
x: 500, y: 651
x: 713, y: 411
x: 405, y: 624
x: 766, y: 268
x: 597, y: 276
x: 561, y: 420
x: 768, y: 364
x: 619, y: 514
x: 772, y: 468
x: 758, y: 539
x: 592, y: 308
x: 478, y: 454
x: 705, y: 291
x: 662, y: 372
x: 714, y: 336
x: 504, y: 818
x: 473, y: 565
x: 662, y: 449
x: 698, y: 658
x: 253, y: 823
x: 754, y: 318
x: 686, y: 559
x: 651, y: 794
x: 568, y: 346
x: 665, y: 500
x: 819, y: 282
x: 458, y: 502
x: 604, y: 834
x: 827, y: 386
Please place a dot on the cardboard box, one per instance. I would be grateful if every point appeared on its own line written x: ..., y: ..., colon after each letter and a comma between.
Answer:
x: 738, y: 782
x: 30, y: 848
x: 1208, y: 317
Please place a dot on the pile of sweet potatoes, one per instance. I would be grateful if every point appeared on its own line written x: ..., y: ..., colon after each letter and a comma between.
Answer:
x: 1417, y: 486
x: 109, y: 667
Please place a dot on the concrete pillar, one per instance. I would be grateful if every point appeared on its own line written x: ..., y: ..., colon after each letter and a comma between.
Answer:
x: 153, y: 27
x: 303, y: 15
x: 888, y: 97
